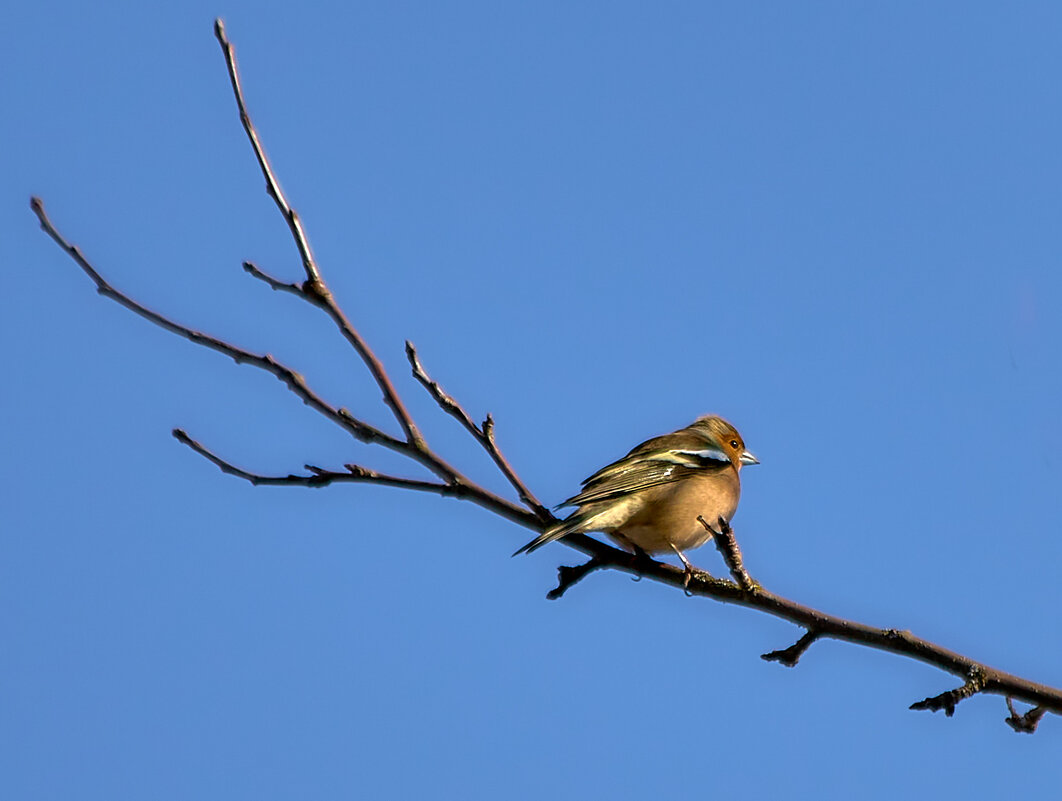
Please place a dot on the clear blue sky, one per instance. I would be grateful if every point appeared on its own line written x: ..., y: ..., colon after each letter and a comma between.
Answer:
x: 834, y: 223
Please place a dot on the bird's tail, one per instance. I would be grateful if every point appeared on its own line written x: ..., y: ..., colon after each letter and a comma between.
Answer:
x: 571, y: 525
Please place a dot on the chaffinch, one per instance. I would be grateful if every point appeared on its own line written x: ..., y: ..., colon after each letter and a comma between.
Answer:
x: 653, y: 499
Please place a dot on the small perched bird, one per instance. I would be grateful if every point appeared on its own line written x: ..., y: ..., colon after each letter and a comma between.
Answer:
x: 655, y: 498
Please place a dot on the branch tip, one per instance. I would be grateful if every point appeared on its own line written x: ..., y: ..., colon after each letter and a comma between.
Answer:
x: 568, y: 577
x: 949, y: 699
x: 484, y: 434
x: 726, y: 544
x: 277, y: 285
x: 1027, y: 723
x: 791, y: 655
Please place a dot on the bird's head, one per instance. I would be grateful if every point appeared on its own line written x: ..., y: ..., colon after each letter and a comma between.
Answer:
x: 722, y: 435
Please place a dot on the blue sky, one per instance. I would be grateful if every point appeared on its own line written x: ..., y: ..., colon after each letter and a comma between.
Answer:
x: 834, y: 223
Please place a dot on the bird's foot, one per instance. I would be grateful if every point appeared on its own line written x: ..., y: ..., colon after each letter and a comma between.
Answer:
x: 687, y: 571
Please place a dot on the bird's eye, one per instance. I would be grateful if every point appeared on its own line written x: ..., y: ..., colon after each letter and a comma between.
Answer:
x: 734, y: 443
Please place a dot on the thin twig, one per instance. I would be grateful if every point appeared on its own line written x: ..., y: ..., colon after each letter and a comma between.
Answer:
x: 948, y: 700
x: 297, y: 384
x: 791, y: 655
x: 275, y: 284
x: 1027, y: 723
x: 726, y: 544
x: 354, y: 474
x: 569, y: 576
x: 319, y: 477
x: 483, y: 435
x: 314, y: 289
x: 309, y: 264
x: 294, y: 381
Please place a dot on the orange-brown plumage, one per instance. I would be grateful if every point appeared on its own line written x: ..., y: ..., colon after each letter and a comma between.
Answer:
x: 653, y: 498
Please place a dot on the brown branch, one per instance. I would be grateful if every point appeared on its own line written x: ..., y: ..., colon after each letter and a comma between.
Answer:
x: 309, y: 264
x: 297, y: 384
x: 904, y: 643
x: 569, y: 576
x: 820, y: 625
x: 294, y: 381
x: 791, y: 655
x: 314, y: 289
x: 274, y: 284
x: 977, y: 677
x: 727, y: 546
x: 1027, y: 723
x: 484, y: 434
x: 948, y: 700
x: 319, y: 477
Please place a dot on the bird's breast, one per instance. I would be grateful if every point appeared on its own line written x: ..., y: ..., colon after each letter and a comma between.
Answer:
x: 671, y: 516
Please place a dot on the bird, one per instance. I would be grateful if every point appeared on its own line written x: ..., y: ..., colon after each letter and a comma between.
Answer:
x: 668, y: 495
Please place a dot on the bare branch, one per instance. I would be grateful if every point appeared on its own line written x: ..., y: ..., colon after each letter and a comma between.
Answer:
x: 357, y: 474
x: 274, y: 284
x: 791, y: 655
x: 949, y: 700
x: 297, y: 384
x: 309, y: 264
x: 1027, y: 723
x: 314, y: 289
x: 318, y: 477
x: 727, y: 545
x: 484, y: 435
x: 232, y: 470
x: 293, y: 380
x: 568, y: 577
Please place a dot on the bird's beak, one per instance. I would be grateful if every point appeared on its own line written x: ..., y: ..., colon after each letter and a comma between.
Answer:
x: 748, y: 458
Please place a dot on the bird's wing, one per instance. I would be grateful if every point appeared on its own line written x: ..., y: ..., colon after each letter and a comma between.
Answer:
x: 658, y: 461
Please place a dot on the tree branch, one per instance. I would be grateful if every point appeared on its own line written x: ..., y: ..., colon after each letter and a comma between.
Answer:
x: 484, y: 434
x: 293, y: 380
x: 727, y: 545
x: 947, y: 700
x: 314, y: 289
x: 568, y: 577
x: 297, y: 384
x: 820, y: 625
x: 319, y: 477
x: 309, y: 264
x: 977, y: 677
x: 273, y: 283
x: 1027, y: 723
x: 791, y: 655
